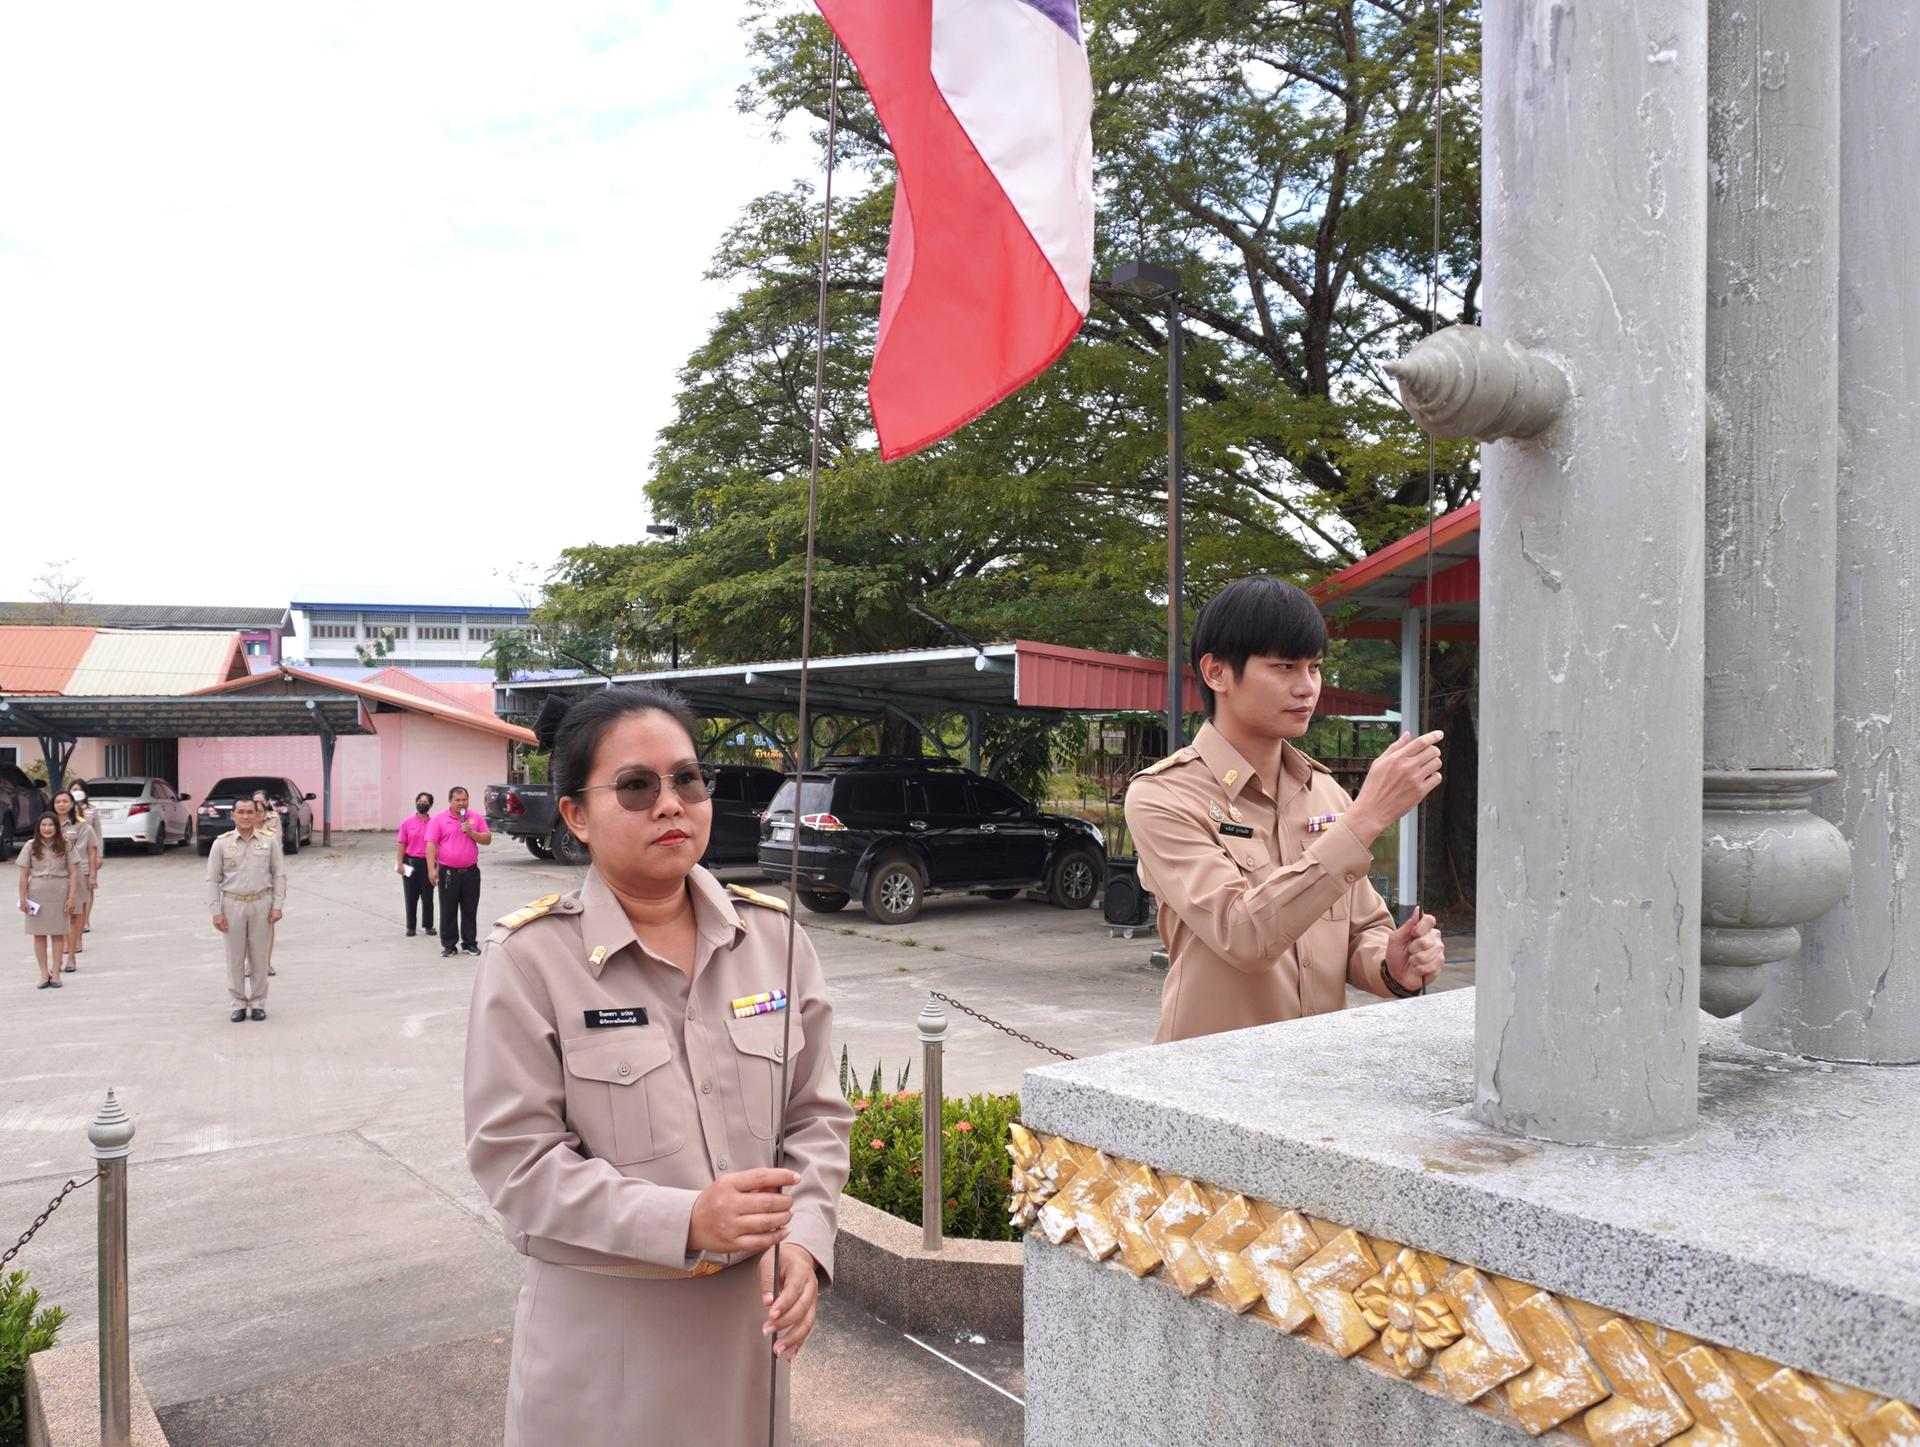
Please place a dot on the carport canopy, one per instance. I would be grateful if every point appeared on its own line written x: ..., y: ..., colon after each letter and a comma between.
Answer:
x: 1043, y: 682
x: 61, y: 722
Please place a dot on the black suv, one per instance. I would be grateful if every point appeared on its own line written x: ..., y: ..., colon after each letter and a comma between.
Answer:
x: 214, y: 814
x: 890, y: 831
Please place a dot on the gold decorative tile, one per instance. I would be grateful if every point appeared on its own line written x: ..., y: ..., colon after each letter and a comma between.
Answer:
x: 1644, y: 1410
x: 1490, y: 1351
x: 1413, y: 1319
x: 1228, y: 1232
x: 1131, y: 1205
x: 1798, y: 1413
x: 1491, y: 1343
x: 1282, y: 1246
x: 1563, y: 1380
x: 1329, y: 1278
x: 1718, y: 1401
x: 1892, y: 1425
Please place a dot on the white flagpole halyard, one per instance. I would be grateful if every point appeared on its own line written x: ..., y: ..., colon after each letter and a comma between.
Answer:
x: 805, y: 722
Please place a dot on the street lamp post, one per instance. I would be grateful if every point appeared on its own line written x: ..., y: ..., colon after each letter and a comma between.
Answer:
x: 669, y: 530
x: 1148, y: 282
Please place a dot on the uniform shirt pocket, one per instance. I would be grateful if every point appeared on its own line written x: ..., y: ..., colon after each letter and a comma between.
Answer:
x: 758, y: 1047
x: 618, y: 1096
x: 1252, y: 856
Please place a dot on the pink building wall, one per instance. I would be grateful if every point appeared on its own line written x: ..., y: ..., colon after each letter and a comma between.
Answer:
x: 375, y: 776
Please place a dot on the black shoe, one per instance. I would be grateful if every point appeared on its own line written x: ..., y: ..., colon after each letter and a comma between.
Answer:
x: 429, y: 931
x: 44, y: 985
x: 411, y: 933
x: 259, y: 1013
x: 53, y: 984
x: 469, y: 949
x: 239, y: 1014
x: 448, y: 953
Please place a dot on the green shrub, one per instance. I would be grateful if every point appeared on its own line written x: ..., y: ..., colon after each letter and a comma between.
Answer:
x: 975, y: 1166
x: 24, y: 1329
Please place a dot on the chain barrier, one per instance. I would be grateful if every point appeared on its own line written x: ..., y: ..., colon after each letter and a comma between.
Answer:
x: 1003, y: 1029
x: 41, y: 1220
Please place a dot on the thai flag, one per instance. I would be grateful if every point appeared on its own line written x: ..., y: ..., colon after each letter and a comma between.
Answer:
x: 988, y: 105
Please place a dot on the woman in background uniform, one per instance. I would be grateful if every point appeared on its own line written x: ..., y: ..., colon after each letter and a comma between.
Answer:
x: 269, y: 826
x: 48, y: 878
x: 84, y: 846
x: 624, y: 1064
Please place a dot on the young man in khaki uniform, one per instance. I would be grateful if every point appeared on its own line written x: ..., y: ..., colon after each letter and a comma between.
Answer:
x: 246, y: 886
x: 1258, y: 859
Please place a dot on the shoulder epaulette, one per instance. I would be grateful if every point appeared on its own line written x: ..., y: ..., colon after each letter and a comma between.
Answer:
x: 1314, y: 763
x: 754, y: 896
x: 1179, y: 756
x: 528, y: 912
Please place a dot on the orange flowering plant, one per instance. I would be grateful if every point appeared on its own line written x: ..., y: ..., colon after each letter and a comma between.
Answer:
x: 886, y: 1160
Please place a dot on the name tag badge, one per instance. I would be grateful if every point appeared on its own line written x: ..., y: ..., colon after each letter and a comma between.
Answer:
x: 1237, y: 831
x: 608, y: 1019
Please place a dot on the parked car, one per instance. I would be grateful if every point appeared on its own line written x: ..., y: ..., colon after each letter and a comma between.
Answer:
x: 215, y: 814
x: 891, y: 831
x: 142, y: 810
x: 21, y: 802
x: 741, y: 793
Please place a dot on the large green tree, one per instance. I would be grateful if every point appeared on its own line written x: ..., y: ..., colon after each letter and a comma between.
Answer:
x: 1279, y: 155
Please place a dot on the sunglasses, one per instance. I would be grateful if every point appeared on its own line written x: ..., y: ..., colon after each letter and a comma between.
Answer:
x: 639, y: 790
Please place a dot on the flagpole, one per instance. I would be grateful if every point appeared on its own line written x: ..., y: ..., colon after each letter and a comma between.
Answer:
x: 804, y: 722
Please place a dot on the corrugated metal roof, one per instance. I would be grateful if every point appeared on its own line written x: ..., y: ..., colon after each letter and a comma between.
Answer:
x: 156, y: 615
x: 473, y: 697
x: 121, y: 663
x: 40, y: 658
x: 349, y: 596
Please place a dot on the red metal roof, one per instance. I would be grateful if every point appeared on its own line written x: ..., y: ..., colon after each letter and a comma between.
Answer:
x: 374, y: 693
x: 1081, y: 680
x: 1367, y: 599
x: 40, y: 658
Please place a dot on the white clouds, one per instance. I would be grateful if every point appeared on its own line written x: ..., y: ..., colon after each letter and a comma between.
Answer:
x: 391, y: 285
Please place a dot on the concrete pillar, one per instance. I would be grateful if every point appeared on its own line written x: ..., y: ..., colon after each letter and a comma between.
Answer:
x: 1856, y: 996
x: 1594, y: 229
x: 1769, y: 863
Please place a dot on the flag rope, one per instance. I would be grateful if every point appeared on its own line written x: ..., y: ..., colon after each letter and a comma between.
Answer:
x: 804, y: 723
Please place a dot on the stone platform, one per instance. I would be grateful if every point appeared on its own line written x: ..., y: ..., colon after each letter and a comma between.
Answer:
x: 1764, y: 1271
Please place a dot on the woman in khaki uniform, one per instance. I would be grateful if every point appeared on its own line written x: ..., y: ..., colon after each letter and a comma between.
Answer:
x: 48, y: 878
x: 83, y: 844
x: 269, y: 826
x: 621, y: 1116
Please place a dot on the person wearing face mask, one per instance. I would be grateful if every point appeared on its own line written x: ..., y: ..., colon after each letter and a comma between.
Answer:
x: 410, y: 863
x: 624, y: 1069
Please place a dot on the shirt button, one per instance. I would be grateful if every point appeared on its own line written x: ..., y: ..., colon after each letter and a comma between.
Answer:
x: 706, y: 1087
x: 691, y: 1014
x: 779, y: 1051
x: 1353, y: 879
x: 721, y: 1164
x: 623, y: 1069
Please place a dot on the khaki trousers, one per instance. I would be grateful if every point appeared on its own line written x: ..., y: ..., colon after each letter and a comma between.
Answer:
x: 248, y: 933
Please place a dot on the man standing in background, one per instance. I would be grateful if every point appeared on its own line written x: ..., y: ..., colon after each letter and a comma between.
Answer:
x: 410, y: 863
x: 453, y: 867
x: 246, y: 886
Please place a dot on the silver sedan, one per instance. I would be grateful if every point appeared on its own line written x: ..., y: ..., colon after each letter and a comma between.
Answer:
x: 139, y: 810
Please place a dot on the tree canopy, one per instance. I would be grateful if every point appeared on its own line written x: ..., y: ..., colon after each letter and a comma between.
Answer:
x: 1279, y: 155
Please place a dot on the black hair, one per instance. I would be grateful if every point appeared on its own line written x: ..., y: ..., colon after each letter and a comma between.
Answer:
x: 59, y: 840
x: 1255, y: 617
x: 573, y: 731
x: 458, y: 789
x: 423, y: 794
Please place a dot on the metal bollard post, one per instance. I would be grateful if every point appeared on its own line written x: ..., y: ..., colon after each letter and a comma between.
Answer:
x: 933, y: 1034
x: 112, y: 1137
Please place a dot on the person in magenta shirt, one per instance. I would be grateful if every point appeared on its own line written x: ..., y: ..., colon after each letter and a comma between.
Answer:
x: 453, y: 867
x: 410, y: 862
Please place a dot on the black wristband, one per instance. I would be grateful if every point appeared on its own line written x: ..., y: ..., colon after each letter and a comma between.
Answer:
x: 1395, y: 986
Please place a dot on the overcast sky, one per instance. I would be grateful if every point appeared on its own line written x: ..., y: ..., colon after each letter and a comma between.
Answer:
x: 374, y: 290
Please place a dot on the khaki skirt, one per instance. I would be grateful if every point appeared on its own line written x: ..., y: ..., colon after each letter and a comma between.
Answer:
x: 608, y: 1361
x: 49, y: 891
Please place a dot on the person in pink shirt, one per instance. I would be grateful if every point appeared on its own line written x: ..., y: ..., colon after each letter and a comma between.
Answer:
x: 453, y: 867
x: 410, y: 863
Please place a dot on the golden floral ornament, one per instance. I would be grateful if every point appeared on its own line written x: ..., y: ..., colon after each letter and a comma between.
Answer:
x: 1027, y: 1188
x: 1413, y: 1319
